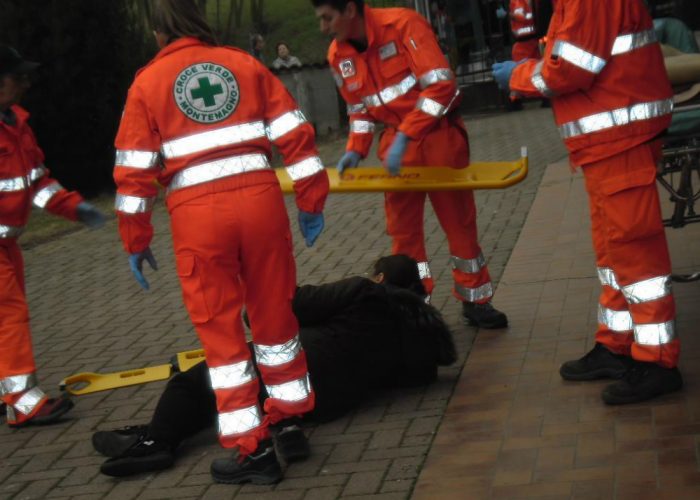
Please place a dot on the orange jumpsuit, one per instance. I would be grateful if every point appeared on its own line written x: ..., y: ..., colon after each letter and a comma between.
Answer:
x: 202, y: 120
x: 404, y: 82
x: 522, y: 25
x: 23, y: 180
x: 605, y: 74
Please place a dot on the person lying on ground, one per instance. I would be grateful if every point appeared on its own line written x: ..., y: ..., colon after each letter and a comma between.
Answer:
x: 358, y: 333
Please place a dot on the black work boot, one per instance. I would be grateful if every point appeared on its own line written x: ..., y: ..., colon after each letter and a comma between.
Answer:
x: 291, y: 441
x: 641, y: 382
x: 146, y: 455
x: 599, y: 362
x: 116, y: 442
x: 260, y: 467
x: 483, y: 315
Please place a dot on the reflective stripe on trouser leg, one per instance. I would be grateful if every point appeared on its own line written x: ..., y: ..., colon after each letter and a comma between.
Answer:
x: 456, y: 213
x: 627, y: 222
x: 269, y: 275
x: 208, y: 267
x: 404, y: 224
x: 22, y: 406
x: 16, y: 357
x: 615, y: 325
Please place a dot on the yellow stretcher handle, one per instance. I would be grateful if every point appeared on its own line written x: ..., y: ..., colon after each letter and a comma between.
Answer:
x: 479, y: 175
x: 104, y: 381
x: 187, y: 359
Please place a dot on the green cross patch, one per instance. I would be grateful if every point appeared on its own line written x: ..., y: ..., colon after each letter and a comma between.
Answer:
x: 206, y: 92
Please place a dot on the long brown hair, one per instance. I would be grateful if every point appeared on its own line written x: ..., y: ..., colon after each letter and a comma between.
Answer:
x: 181, y: 18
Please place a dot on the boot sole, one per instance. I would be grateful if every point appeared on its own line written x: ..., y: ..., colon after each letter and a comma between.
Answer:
x: 261, y: 478
x: 488, y: 326
x: 132, y: 468
x: 594, y: 375
x: 613, y: 400
x: 296, y: 456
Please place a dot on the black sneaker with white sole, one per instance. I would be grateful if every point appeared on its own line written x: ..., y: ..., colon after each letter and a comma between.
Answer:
x: 147, y: 455
x: 114, y: 443
x: 260, y: 467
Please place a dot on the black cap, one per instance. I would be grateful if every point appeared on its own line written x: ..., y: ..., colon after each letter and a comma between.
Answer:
x: 12, y: 62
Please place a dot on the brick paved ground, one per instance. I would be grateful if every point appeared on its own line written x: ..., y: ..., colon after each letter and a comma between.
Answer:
x: 515, y: 429
x: 88, y: 314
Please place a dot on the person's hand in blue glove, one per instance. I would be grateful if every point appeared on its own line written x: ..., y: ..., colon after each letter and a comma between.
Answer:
x: 395, y: 155
x: 349, y: 160
x: 502, y: 72
x: 89, y: 215
x: 136, y: 265
x: 311, y: 226
x: 501, y: 13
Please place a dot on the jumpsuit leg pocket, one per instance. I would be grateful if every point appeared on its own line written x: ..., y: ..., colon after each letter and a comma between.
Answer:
x: 189, y: 270
x: 631, y: 206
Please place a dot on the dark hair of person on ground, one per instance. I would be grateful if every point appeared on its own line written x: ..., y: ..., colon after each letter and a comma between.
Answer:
x: 340, y: 5
x: 181, y: 18
x: 399, y: 273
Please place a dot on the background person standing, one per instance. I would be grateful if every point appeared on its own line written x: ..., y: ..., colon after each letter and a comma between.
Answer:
x: 24, y: 180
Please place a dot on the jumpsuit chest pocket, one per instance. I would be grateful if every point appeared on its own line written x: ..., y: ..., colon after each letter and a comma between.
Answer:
x: 391, y: 61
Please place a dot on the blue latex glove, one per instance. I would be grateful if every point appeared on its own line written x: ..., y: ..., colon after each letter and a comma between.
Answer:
x: 136, y: 265
x: 502, y: 72
x: 349, y: 160
x: 395, y: 155
x: 89, y: 215
x: 311, y: 226
x: 501, y: 13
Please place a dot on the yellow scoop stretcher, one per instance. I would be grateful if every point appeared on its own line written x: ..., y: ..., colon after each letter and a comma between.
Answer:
x: 89, y: 382
x: 478, y: 175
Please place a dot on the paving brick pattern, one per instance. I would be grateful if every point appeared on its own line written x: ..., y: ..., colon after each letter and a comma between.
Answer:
x: 88, y: 314
x: 514, y: 429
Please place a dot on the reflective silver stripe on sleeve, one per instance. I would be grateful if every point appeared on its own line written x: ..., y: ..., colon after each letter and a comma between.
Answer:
x: 296, y: 390
x: 424, y: 270
x: 136, y: 159
x: 44, y: 195
x: 468, y: 265
x: 485, y: 291
x: 273, y: 355
x: 239, y: 421
x: 218, y: 169
x: 431, y: 107
x: 17, y: 383
x: 285, y: 124
x: 133, y: 204
x: 10, y: 231
x: 525, y: 31
x: 617, y: 321
x: 616, y: 117
x: 578, y: 57
x: 37, y: 173
x: 647, y: 290
x: 13, y: 184
x: 538, y: 81
x: 655, y: 333
x: 607, y: 277
x: 632, y: 41
x: 356, y: 108
x: 29, y: 400
x: 225, y: 136
x: 229, y: 376
x: 305, y: 168
x: 434, y: 76
x: 390, y: 93
x: 361, y: 127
